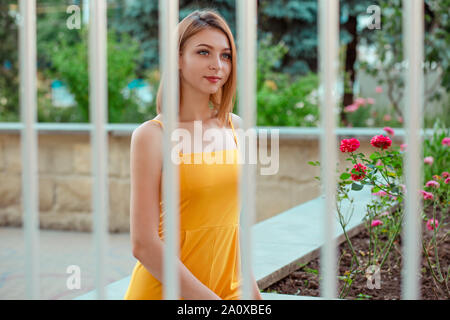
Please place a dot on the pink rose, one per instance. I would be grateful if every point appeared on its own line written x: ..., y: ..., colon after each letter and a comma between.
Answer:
x: 389, y: 130
x: 400, y: 119
x: 380, y: 193
x: 447, y: 180
x: 384, y: 214
x: 432, y: 223
x: 379, y: 89
x: 376, y: 223
x: 428, y: 160
x: 370, y: 100
x: 426, y: 195
x: 445, y: 174
x: 403, y: 188
x: 446, y: 141
x: 351, y: 108
x: 360, y: 101
x: 432, y: 184
x: 403, y: 147
x: 387, y: 117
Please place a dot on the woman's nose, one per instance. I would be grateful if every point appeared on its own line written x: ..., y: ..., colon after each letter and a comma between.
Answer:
x: 216, y: 63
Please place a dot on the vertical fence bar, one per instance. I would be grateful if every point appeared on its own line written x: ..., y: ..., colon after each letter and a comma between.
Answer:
x: 29, y: 142
x: 247, y: 37
x: 413, y: 37
x: 99, y: 139
x: 169, y: 65
x: 328, y: 63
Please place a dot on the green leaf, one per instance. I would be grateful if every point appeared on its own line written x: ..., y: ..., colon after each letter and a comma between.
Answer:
x: 345, y: 176
x: 357, y: 187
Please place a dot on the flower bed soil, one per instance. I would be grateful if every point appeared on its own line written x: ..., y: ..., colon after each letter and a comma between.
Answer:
x: 305, y: 280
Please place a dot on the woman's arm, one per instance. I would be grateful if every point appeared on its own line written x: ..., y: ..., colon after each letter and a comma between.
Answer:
x: 237, y: 123
x: 145, y: 177
x: 151, y: 256
x: 256, y: 293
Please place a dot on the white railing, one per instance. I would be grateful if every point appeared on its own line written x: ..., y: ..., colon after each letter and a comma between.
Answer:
x: 328, y: 67
x: 247, y: 23
x: 27, y: 59
x: 413, y: 26
x: 98, y: 97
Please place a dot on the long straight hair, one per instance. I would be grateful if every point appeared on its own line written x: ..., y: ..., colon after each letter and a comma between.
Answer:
x: 223, y: 100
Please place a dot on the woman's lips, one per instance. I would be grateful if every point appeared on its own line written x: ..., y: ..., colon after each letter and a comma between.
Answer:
x: 212, y: 80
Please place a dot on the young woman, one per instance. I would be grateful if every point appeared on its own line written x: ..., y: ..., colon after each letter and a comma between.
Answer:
x: 209, y: 261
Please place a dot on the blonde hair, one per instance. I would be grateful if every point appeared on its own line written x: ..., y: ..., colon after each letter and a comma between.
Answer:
x: 223, y: 100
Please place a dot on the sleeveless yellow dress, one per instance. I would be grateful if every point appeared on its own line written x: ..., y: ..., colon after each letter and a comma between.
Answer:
x: 209, y: 227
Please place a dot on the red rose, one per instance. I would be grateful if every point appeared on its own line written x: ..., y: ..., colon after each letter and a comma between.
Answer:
x: 381, y: 142
x: 360, y: 172
x: 349, y: 145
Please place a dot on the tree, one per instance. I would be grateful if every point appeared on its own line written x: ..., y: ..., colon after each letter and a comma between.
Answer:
x: 70, y: 64
x: 389, y: 50
x: 9, y: 69
x: 351, y: 35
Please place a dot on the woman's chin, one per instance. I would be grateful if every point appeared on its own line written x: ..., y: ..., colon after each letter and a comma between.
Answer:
x: 211, y: 90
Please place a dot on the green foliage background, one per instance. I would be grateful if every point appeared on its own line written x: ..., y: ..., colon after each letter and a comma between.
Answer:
x: 287, y: 55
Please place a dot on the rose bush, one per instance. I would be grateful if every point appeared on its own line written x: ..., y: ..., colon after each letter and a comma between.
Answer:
x: 383, y: 173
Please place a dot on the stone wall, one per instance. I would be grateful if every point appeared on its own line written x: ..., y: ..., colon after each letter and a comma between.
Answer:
x: 65, y: 180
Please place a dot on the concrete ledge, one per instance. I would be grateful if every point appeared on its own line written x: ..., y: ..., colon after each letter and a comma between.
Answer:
x: 295, y: 237
x: 127, y: 129
x: 116, y: 291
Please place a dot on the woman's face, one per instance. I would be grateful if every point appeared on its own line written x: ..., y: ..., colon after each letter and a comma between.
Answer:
x: 206, y: 54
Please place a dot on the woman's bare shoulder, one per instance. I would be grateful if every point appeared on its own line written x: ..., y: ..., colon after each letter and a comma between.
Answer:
x: 147, y: 134
x: 149, y: 126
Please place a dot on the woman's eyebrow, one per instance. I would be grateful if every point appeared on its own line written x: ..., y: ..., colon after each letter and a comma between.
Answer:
x: 207, y: 45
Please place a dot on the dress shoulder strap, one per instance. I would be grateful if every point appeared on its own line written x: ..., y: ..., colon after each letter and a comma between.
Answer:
x: 229, y: 118
x: 158, y: 122
x: 232, y: 128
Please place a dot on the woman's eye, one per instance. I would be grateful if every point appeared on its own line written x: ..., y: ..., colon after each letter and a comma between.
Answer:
x: 225, y: 54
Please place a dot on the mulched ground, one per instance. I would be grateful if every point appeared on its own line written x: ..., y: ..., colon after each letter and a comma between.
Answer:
x: 305, y: 280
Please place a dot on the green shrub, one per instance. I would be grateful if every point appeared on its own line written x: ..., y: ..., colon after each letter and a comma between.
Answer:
x: 70, y: 65
x: 281, y: 100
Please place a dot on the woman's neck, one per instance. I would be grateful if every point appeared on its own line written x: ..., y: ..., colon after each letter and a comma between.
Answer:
x: 201, y: 116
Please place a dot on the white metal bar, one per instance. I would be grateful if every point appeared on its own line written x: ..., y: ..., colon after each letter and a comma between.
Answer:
x: 328, y: 63
x: 170, y: 184
x: 29, y: 142
x: 247, y: 28
x: 99, y: 140
x: 413, y: 37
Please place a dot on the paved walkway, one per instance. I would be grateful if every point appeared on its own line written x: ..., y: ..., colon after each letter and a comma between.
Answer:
x: 58, y: 250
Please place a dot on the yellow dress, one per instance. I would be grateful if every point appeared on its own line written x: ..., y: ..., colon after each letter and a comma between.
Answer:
x: 209, y: 227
